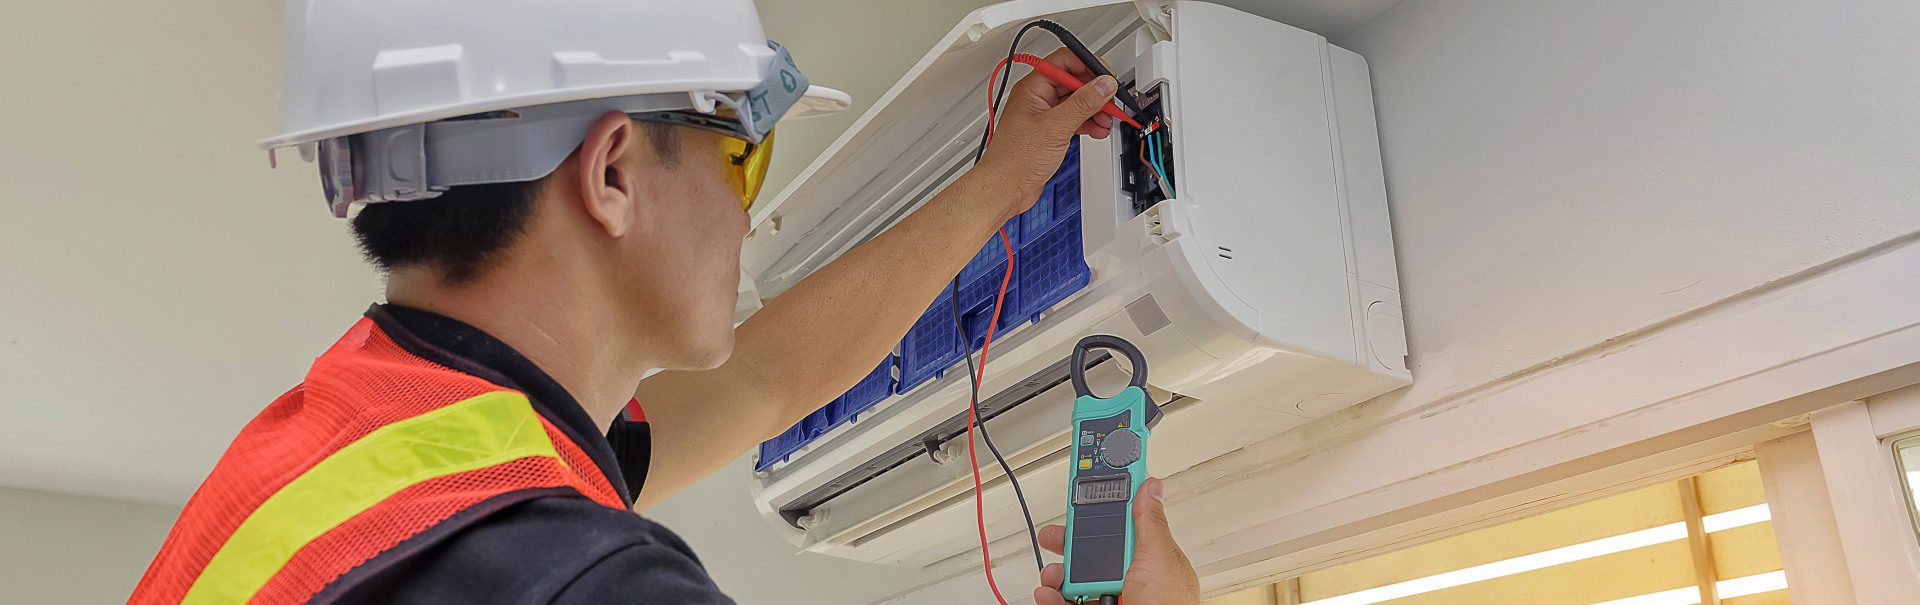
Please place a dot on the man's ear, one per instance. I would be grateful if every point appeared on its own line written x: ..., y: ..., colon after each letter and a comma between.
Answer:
x: 605, y: 175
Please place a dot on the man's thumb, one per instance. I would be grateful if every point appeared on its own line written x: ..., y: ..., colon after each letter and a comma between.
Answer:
x: 1150, y: 529
x: 1086, y: 101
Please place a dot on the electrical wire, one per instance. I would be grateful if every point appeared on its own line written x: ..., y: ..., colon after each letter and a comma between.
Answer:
x: 976, y: 375
x: 975, y: 418
x: 1149, y: 157
x: 973, y: 422
x: 1122, y: 95
x: 1158, y: 165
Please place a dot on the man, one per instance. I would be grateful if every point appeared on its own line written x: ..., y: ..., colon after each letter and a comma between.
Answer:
x: 559, y: 213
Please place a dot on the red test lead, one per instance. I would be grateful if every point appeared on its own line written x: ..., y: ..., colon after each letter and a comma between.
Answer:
x: 1061, y: 77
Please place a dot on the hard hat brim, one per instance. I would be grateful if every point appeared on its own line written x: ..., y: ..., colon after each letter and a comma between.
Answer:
x: 816, y: 101
x: 820, y: 101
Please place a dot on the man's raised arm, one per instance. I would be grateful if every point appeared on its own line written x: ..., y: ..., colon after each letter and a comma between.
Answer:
x: 796, y: 353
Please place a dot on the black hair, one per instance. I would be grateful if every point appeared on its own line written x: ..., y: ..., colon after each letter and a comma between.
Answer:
x: 465, y: 230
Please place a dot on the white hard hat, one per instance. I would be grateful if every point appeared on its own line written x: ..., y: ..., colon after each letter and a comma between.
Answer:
x: 374, y: 83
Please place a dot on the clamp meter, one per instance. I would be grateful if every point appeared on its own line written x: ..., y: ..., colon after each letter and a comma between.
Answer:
x: 1109, y: 462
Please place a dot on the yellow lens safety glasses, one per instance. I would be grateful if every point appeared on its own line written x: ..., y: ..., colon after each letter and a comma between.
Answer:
x: 746, y: 166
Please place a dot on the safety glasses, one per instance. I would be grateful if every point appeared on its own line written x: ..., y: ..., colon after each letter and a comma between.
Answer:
x: 743, y: 161
x: 746, y: 166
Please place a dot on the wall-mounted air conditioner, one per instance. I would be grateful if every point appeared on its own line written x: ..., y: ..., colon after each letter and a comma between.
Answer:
x: 1263, y: 292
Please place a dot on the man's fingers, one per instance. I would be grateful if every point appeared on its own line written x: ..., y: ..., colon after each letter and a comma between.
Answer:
x: 1150, y: 529
x: 1034, y: 84
x: 1099, y: 127
x: 1048, y: 596
x: 1051, y: 577
x: 1044, y: 87
x: 1158, y: 565
x: 1070, y: 62
x: 1150, y: 514
x: 1053, y: 538
x: 1081, y: 107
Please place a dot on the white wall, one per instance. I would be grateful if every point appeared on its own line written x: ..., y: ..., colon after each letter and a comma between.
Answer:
x: 1564, y: 172
x: 68, y: 549
x: 159, y: 284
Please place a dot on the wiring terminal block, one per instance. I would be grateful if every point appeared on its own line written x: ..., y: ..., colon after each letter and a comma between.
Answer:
x: 1146, y: 155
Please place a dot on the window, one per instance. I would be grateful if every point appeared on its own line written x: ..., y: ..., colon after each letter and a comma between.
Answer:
x: 1906, y: 456
x: 1635, y: 548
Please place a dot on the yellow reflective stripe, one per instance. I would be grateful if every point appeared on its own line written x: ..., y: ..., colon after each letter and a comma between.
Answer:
x: 476, y: 433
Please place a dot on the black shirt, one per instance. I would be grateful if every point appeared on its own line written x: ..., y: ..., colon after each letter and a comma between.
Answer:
x: 534, y: 546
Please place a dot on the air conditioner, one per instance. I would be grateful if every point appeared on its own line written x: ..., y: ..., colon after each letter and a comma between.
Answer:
x: 1263, y: 292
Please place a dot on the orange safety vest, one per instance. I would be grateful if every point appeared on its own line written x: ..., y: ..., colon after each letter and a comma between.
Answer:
x: 375, y: 447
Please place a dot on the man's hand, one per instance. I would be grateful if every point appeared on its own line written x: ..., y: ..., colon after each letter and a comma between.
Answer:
x: 1160, y: 573
x: 1037, y: 121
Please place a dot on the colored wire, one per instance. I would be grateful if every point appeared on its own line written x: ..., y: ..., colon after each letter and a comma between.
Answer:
x: 973, y: 410
x: 1152, y: 142
x: 974, y: 416
x: 977, y: 375
x: 1124, y: 96
x: 1147, y: 155
x: 1153, y: 161
x: 1151, y: 148
x: 974, y: 377
x: 1067, y: 80
x: 1086, y: 56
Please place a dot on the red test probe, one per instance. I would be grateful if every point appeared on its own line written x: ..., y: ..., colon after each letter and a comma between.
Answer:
x: 1061, y: 77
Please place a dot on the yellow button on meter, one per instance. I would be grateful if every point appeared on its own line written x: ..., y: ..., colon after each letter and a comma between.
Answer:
x: 1086, y: 463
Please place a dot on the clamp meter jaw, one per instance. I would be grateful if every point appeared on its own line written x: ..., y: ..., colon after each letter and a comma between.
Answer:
x: 1109, y: 463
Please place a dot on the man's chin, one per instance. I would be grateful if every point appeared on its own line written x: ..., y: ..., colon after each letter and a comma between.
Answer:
x: 706, y: 356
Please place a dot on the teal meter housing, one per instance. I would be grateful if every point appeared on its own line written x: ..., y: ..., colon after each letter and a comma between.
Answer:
x: 1108, y: 464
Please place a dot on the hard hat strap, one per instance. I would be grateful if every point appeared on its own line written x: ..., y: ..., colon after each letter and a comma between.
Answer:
x: 419, y: 161
x: 764, y: 104
x: 777, y: 93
